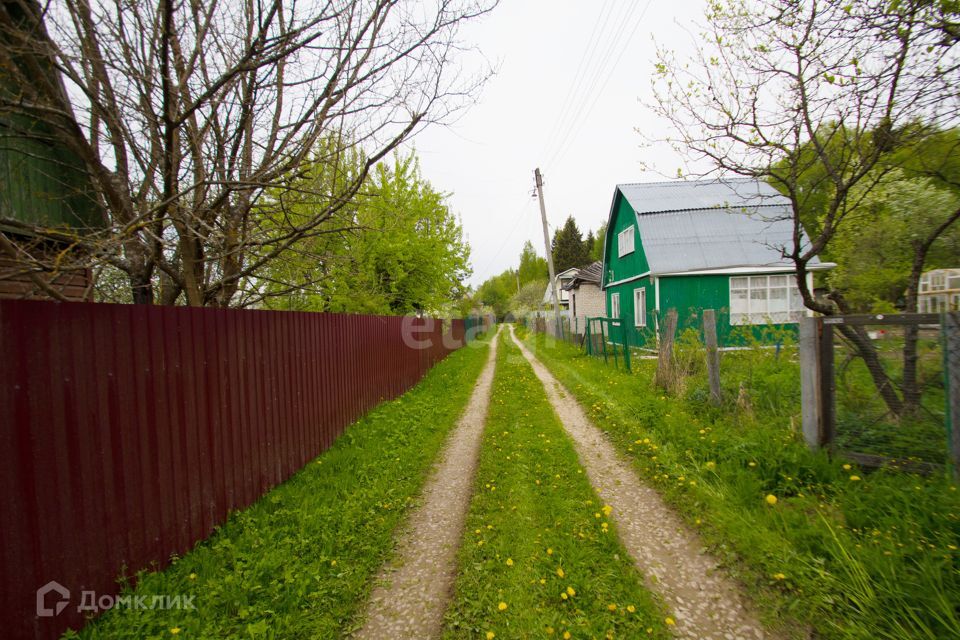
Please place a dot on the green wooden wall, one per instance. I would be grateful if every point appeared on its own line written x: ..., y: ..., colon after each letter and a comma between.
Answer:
x: 632, y: 264
x: 40, y: 182
x: 690, y: 295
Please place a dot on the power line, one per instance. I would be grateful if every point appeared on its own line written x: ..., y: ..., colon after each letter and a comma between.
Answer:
x: 595, y: 62
x: 578, y: 121
x: 578, y: 77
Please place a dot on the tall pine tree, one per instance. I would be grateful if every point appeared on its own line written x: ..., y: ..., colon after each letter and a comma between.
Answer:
x: 569, y: 248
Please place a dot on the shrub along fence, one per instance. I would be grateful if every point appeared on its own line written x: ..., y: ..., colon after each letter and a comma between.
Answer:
x: 127, y: 433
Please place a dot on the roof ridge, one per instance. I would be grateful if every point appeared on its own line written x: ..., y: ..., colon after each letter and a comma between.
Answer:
x: 681, y: 181
x: 739, y: 206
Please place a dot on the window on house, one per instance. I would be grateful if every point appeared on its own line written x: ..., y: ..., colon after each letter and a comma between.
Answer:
x: 614, y: 305
x: 763, y: 299
x: 640, y: 307
x: 937, y: 282
x: 625, y: 242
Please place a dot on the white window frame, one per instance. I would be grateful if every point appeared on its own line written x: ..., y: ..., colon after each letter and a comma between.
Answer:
x: 640, y: 307
x: 625, y: 242
x: 754, y: 308
x: 615, y: 305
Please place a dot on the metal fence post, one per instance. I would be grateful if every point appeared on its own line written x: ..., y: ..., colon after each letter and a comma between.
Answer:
x: 828, y: 389
x: 951, y: 332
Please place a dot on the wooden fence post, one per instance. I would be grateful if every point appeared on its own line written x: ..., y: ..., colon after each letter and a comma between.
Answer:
x: 828, y: 387
x: 810, y: 383
x: 713, y: 353
x: 951, y: 330
x: 665, y: 360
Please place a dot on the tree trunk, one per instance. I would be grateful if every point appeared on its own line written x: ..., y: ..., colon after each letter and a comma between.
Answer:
x: 866, y: 350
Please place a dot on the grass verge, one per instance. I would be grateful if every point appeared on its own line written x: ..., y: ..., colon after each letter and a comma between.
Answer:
x: 851, y: 554
x: 299, y: 563
x: 540, y: 557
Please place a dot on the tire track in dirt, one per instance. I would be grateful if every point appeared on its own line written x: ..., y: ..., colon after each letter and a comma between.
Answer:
x: 705, y: 604
x: 415, y: 587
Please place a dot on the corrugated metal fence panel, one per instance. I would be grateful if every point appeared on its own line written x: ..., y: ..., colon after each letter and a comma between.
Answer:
x: 127, y: 433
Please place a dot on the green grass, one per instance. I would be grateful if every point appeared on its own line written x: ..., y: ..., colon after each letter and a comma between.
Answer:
x: 848, y: 553
x: 536, y: 528
x: 299, y: 563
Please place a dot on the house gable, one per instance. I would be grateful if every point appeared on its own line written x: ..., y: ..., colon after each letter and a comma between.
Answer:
x: 633, y: 264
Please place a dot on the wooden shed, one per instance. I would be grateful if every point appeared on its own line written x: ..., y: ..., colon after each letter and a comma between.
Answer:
x: 41, y: 185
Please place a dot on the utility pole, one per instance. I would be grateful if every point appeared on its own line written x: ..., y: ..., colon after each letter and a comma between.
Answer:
x: 546, y: 246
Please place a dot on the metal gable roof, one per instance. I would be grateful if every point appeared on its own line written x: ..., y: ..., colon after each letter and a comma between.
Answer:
x: 683, y: 195
x: 711, y: 224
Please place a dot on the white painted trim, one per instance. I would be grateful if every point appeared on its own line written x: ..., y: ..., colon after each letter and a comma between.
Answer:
x: 642, y: 308
x: 626, y: 280
x: 656, y: 293
x: 823, y: 266
x: 810, y: 289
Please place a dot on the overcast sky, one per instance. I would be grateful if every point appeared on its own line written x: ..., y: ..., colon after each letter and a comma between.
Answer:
x: 568, y: 97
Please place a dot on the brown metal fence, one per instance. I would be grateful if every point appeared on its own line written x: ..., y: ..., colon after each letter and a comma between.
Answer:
x: 127, y: 433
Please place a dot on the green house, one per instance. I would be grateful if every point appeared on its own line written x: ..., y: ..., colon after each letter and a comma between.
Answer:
x: 695, y: 245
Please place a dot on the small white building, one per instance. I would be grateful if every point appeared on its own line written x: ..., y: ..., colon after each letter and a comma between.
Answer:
x: 563, y: 278
x: 939, y: 291
x: 586, y: 297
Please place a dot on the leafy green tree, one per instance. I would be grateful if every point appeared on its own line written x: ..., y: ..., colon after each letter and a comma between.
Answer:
x: 532, y: 266
x: 396, y: 249
x: 530, y: 296
x: 569, y: 249
x: 596, y: 249
x: 789, y: 91
x: 876, y: 250
x: 496, y: 292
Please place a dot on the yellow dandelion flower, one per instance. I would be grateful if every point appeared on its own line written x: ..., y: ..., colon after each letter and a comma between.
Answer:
x: 333, y: 563
x: 855, y: 478
x: 192, y: 576
x: 502, y: 606
x: 631, y: 608
x: 560, y: 571
x: 846, y: 467
x: 711, y: 465
x: 564, y: 596
x: 566, y: 635
x: 779, y: 576
x: 509, y: 562
x: 174, y: 630
x: 670, y: 621
x: 571, y: 591
x: 549, y: 551
x: 491, y: 635
x: 611, y: 607
x: 543, y: 581
x: 550, y: 631
x: 771, y: 499
x: 607, y: 510
x: 751, y: 464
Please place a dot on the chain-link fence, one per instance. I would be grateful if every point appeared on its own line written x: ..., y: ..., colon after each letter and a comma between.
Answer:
x: 886, y: 387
